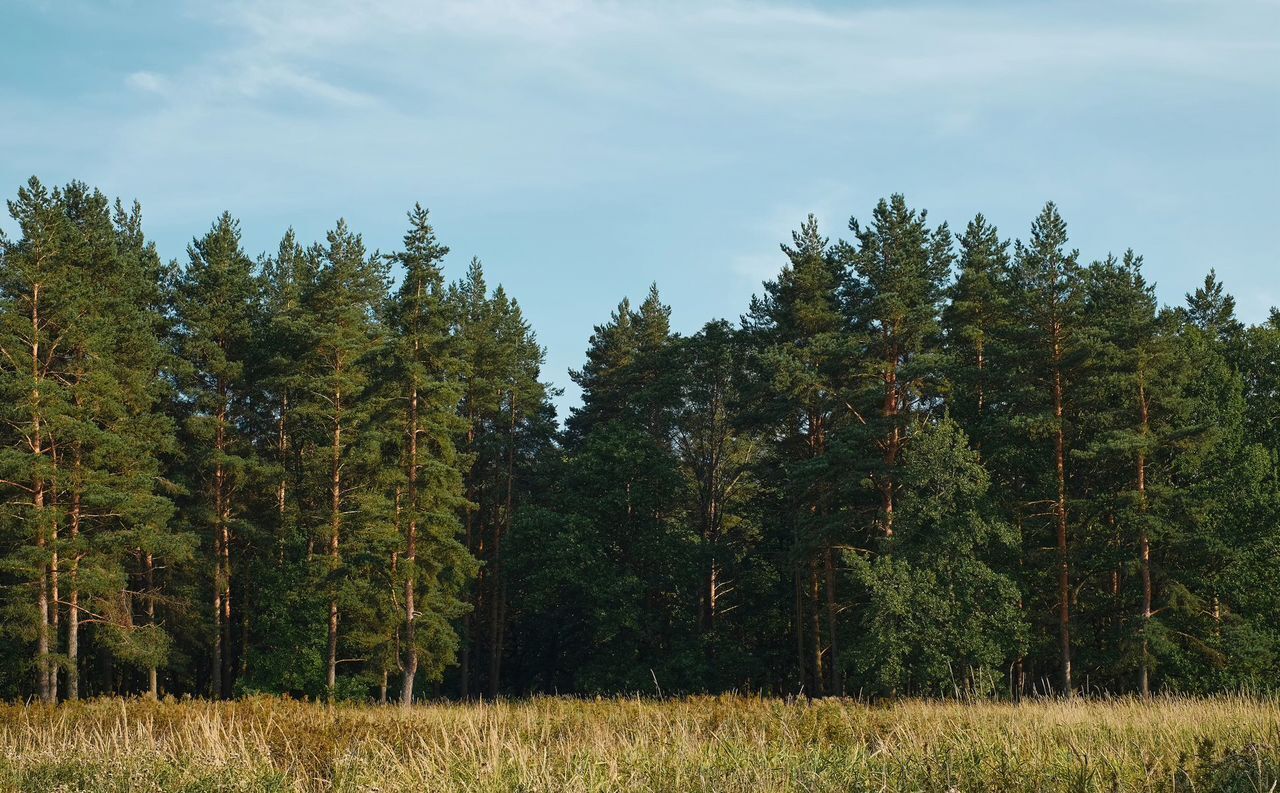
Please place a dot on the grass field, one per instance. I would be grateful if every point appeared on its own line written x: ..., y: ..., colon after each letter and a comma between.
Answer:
x: 698, y: 744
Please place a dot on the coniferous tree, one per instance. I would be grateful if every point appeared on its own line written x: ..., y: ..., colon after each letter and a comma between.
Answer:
x: 215, y: 300
x: 434, y: 565
x: 341, y: 332
x: 803, y: 342
x: 1047, y: 329
x: 900, y: 268
x: 40, y: 290
x: 879, y: 481
x: 284, y: 640
x: 137, y: 502
x: 1224, y: 638
x: 1138, y: 422
x: 80, y: 462
x: 506, y: 423
x: 716, y: 454
x: 971, y: 322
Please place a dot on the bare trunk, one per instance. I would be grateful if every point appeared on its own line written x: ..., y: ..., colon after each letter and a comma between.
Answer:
x: 411, y: 555
x: 228, y: 677
x: 1145, y: 549
x: 73, y: 597
x: 1064, y: 571
x: 215, y: 685
x: 497, y: 585
x: 54, y: 595
x: 220, y: 628
x: 153, y: 688
x: 815, y: 628
x: 222, y: 505
x: 335, y: 528
x: 38, y: 502
x: 802, y: 662
x: 982, y: 374
x: 468, y: 621
x: 282, y: 451
x: 42, y: 635
x: 713, y: 584
x: 837, y: 678
x: 893, y: 443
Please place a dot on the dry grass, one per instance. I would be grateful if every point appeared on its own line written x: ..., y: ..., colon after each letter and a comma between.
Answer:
x: 700, y: 744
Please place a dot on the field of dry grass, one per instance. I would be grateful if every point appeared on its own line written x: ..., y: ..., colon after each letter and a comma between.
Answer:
x: 697, y: 744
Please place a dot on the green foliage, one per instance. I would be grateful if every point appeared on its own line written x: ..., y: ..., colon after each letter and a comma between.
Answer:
x: 331, y: 473
x: 941, y: 616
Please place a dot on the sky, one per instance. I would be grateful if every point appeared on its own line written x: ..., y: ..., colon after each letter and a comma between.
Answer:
x: 583, y: 149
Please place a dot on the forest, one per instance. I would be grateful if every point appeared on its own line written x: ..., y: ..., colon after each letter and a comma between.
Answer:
x: 923, y: 462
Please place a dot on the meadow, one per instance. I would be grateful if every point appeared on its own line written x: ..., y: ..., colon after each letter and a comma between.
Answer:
x: 724, y: 743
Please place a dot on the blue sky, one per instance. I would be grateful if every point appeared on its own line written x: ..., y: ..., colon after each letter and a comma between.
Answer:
x: 584, y: 148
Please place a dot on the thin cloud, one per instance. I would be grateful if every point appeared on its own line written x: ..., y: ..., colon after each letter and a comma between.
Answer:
x: 148, y: 82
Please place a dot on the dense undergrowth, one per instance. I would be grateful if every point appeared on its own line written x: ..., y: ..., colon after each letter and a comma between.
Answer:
x: 696, y: 744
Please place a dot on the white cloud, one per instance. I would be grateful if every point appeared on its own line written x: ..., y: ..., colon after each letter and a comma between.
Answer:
x: 525, y: 101
x: 755, y: 51
x: 148, y: 82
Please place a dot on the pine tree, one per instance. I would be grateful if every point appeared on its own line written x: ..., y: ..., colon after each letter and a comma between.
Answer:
x: 435, y: 565
x: 137, y: 438
x: 1047, y: 326
x: 42, y: 294
x: 507, y: 421
x: 283, y: 628
x: 1138, y: 422
x: 1213, y: 310
x: 900, y: 269
x: 340, y: 334
x: 719, y: 458
x: 611, y: 351
x: 971, y: 322
x: 78, y: 298
x: 803, y: 345
x: 520, y: 428
x: 215, y: 301
x: 1217, y: 633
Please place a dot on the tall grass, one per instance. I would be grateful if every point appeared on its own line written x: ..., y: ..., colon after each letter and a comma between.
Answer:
x: 699, y: 744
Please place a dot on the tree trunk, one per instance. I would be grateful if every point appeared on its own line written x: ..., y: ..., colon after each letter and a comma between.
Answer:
x: 411, y: 556
x: 38, y: 502
x: 222, y: 549
x: 498, y: 584
x: 228, y: 677
x: 219, y: 629
x: 892, y: 444
x: 802, y: 662
x: 815, y: 628
x: 468, y: 621
x: 282, y: 450
x: 73, y: 597
x: 153, y: 688
x: 335, y: 527
x: 982, y: 374
x: 1144, y: 679
x: 215, y: 671
x: 54, y: 595
x: 837, y: 678
x: 1064, y: 570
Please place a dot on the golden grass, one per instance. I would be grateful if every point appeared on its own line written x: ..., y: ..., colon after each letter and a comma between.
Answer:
x: 698, y: 744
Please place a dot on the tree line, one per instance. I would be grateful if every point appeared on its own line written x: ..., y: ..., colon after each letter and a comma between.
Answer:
x: 921, y: 463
